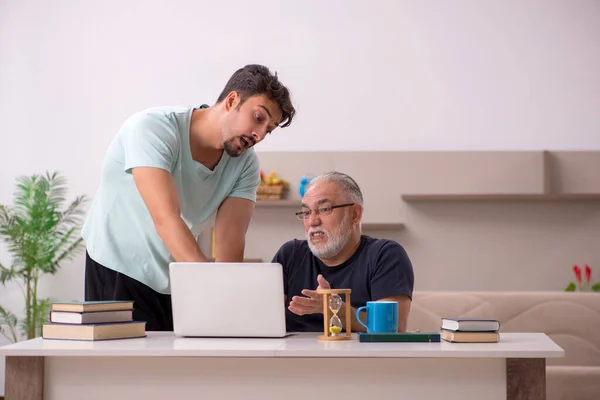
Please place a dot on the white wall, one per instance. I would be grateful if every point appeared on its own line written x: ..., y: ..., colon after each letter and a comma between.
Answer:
x: 382, y: 75
x: 393, y: 75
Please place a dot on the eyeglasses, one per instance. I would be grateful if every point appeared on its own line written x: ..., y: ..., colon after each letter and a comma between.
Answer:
x: 320, y: 211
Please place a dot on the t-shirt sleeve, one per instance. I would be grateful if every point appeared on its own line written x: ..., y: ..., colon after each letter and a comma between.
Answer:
x: 284, y: 256
x: 393, y: 272
x: 246, y: 184
x: 149, y: 141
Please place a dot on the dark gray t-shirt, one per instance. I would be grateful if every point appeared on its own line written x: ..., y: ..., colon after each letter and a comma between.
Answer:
x: 379, y: 268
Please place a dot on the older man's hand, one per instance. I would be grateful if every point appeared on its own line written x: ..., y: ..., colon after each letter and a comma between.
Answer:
x: 312, y: 303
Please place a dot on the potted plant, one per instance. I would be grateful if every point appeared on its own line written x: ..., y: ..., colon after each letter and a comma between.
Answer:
x: 39, y: 234
x: 583, y: 283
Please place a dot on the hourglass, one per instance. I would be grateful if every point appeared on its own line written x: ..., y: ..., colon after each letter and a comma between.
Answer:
x: 332, y: 324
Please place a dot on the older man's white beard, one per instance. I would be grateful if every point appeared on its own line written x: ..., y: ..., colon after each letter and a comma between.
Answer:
x: 335, y: 242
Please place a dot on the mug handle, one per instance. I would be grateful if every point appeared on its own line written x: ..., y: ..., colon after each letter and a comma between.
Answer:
x: 358, y: 310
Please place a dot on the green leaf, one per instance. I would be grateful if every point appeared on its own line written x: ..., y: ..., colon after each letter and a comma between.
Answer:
x: 10, y: 320
x: 40, y: 316
x: 6, y: 274
x: 596, y: 287
x: 570, y: 288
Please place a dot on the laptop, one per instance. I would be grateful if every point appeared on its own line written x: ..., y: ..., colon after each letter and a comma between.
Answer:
x: 227, y: 299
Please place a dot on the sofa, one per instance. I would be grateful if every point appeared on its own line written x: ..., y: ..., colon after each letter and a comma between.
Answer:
x: 571, y: 319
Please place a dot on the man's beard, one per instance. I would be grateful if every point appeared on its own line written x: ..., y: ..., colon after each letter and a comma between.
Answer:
x: 237, y: 144
x: 231, y: 148
x: 335, y: 242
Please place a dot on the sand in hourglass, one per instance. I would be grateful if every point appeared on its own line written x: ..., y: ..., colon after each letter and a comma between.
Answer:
x: 335, y: 324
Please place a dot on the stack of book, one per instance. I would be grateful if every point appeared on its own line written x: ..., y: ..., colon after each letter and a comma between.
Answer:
x: 470, y: 330
x: 93, y: 320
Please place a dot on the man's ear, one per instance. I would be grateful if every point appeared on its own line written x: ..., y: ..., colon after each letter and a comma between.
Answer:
x: 232, y: 100
x: 357, y: 211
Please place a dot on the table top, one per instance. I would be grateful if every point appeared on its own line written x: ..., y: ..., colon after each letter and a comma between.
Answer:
x: 166, y: 344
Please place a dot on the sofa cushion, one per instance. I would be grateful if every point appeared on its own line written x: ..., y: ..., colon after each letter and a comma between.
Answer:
x: 572, y: 383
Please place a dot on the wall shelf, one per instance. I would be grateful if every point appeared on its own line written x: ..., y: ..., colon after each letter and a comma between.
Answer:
x: 278, y: 203
x: 554, y: 197
x: 548, y: 195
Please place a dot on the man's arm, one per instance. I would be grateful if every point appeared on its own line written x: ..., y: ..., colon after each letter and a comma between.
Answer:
x: 231, y: 224
x: 404, y: 303
x: 403, y: 310
x: 313, y: 305
x: 354, y: 324
x: 157, y: 188
x: 393, y: 279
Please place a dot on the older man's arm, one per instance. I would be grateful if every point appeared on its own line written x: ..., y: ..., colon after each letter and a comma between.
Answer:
x: 403, y: 310
x: 393, y: 279
x: 312, y: 303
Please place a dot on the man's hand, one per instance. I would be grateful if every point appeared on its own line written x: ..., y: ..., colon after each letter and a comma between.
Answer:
x: 312, y: 303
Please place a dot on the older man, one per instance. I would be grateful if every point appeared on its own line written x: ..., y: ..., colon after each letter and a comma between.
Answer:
x: 336, y: 254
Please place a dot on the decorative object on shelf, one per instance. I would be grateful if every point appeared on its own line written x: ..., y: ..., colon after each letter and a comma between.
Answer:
x: 332, y: 324
x: 41, y: 232
x: 583, y: 284
x: 303, y: 182
x: 271, y: 187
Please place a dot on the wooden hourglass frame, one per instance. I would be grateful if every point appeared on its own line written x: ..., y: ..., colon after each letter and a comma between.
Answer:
x: 327, y: 314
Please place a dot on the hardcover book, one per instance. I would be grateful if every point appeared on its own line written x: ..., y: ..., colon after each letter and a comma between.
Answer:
x: 470, y: 337
x: 122, y: 330
x: 470, y: 324
x: 399, y: 337
x: 89, y: 306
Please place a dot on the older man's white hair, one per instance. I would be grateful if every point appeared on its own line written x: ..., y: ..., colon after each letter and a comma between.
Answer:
x: 350, y: 189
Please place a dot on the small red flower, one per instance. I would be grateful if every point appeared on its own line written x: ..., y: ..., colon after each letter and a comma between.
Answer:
x: 588, y: 273
x: 577, y: 271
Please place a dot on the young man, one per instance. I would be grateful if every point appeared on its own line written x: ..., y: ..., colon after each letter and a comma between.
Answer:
x: 167, y: 173
x: 336, y: 255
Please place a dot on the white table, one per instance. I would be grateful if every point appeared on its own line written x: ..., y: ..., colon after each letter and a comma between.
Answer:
x: 162, y: 366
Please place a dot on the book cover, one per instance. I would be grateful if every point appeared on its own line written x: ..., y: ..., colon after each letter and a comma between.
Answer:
x: 399, y: 337
x: 470, y: 337
x: 92, y: 332
x: 89, y: 306
x: 94, y: 317
x: 470, y: 324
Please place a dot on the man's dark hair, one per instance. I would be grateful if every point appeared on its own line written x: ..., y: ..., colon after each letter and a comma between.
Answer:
x: 256, y: 79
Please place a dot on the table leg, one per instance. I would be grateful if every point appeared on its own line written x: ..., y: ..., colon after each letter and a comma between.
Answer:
x: 24, y: 378
x: 526, y: 379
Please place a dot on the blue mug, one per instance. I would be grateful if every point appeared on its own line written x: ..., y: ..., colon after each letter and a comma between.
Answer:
x: 382, y: 316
